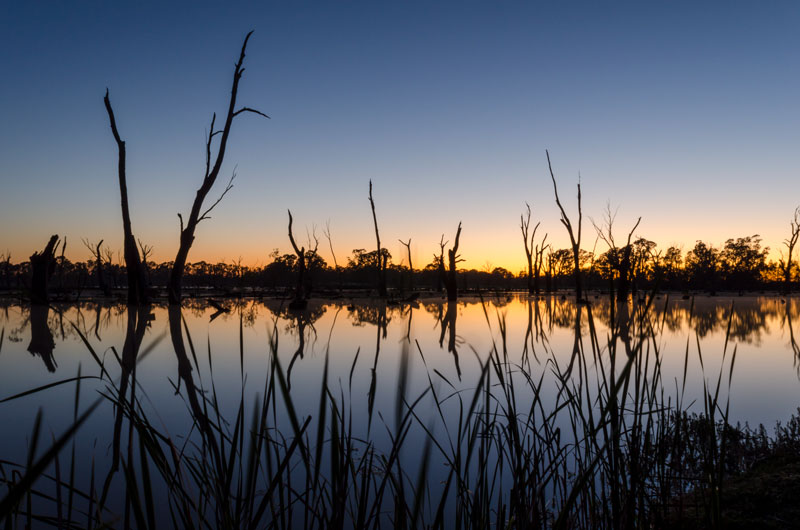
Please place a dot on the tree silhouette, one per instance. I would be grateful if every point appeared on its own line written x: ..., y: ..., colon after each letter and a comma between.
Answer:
x: 790, y: 243
x: 381, y: 263
x: 530, y: 248
x: 574, y: 235
x: 137, y: 286
x: 410, y: 266
x: 43, y: 265
x: 98, y: 265
x: 617, y: 259
x: 197, y: 213
x: 453, y: 259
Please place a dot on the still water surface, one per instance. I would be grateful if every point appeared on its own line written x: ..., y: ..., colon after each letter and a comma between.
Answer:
x: 449, y: 343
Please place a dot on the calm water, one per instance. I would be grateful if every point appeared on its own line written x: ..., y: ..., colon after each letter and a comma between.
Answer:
x: 365, y: 339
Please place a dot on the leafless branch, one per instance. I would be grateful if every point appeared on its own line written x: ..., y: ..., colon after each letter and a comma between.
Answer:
x: 228, y: 188
x: 248, y: 109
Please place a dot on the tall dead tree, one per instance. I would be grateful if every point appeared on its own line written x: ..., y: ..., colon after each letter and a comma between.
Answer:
x: 98, y: 265
x: 524, y: 225
x: 441, y: 273
x: 43, y: 265
x: 197, y: 213
x: 574, y: 235
x: 137, y: 284
x: 380, y: 258
x: 327, y: 234
x: 790, y: 243
x: 299, y: 301
x: 538, y: 261
x: 453, y: 259
x: 410, y: 266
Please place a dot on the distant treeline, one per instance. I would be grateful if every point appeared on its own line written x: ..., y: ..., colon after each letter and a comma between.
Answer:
x: 740, y: 264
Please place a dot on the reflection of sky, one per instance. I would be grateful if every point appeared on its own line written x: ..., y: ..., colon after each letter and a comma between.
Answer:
x: 674, y: 112
x: 764, y: 384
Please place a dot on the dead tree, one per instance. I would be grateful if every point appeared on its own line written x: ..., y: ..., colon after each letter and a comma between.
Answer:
x: 380, y: 257
x: 453, y: 259
x: 619, y: 258
x: 98, y: 265
x: 197, y: 213
x: 442, y: 274
x: 790, y: 244
x: 574, y: 236
x: 524, y: 225
x: 137, y: 285
x: 43, y: 265
x: 327, y: 234
x: 538, y: 262
x: 146, y: 251
x: 299, y: 301
x: 410, y: 266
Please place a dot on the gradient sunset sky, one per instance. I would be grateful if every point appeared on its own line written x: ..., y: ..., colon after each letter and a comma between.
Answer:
x: 686, y: 113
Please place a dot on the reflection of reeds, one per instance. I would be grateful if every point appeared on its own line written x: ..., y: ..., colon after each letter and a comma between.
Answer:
x: 594, y: 441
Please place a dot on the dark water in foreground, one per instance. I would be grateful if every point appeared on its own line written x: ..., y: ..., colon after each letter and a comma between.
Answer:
x: 450, y: 343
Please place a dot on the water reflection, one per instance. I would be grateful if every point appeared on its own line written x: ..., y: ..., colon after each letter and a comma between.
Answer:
x: 42, y: 342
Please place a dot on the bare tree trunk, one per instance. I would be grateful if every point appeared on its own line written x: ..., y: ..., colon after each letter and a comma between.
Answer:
x: 43, y: 265
x: 575, y: 239
x: 790, y: 244
x: 137, y: 286
x: 524, y: 224
x: 381, y: 263
x: 538, y: 262
x: 299, y: 301
x: 197, y: 214
x: 453, y: 258
x: 410, y: 266
x: 441, y: 278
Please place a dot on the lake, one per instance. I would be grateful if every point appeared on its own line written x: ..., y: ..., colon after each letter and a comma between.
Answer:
x: 380, y: 358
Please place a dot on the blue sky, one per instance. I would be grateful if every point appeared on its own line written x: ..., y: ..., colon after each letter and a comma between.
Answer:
x: 685, y: 113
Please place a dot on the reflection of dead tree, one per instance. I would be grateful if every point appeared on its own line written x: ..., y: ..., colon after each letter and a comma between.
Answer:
x: 299, y: 301
x: 137, y: 286
x: 792, y: 340
x: 138, y: 319
x: 98, y: 265
x: 410, y: 266
x: 575, y: 238
x: 373, y: 385
x: 197, y: 213
x: 380, y: 257
x: 43, y: 265
x: 448, y: 322
x: 300, y: 322
x: 42, y: 342
x: 790, y: 243
x: 453, y: 259
x: 524, y: 225
x: 408, y: 328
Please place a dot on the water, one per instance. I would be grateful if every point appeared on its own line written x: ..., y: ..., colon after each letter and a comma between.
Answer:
x: 363, y: 340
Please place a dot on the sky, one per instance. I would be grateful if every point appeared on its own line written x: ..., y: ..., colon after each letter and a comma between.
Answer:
x: 684, y: 113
